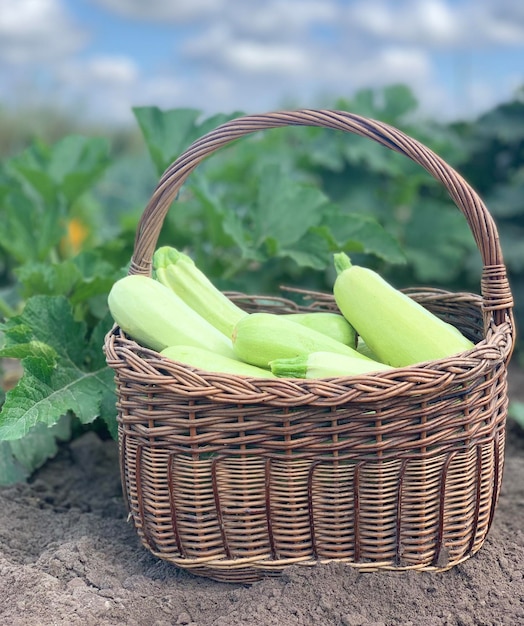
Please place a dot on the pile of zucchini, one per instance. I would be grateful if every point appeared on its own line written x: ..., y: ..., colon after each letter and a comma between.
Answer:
x: 181, y: 314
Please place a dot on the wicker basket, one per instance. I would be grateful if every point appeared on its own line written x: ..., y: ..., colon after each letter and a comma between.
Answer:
x: 236, y: 478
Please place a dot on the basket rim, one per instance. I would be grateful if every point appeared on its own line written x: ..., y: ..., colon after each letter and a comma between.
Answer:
x: 412, y: 380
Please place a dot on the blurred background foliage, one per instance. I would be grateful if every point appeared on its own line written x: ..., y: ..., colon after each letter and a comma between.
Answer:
x: 86, y: 187
x: 267, y: 211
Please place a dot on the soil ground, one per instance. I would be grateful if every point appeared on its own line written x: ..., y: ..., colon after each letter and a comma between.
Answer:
x: 68, y: 556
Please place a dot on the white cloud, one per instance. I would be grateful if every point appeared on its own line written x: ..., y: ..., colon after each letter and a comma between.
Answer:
x: 37, y: 31
x: 273, y: 59
x: 281, y: 17
x: 503, y: 31
x: 100, y: 87
x: 429, y: 21
x: 270, y: 19
x: 163, y: 10
x: 401, y: 62
x: 118, y: 71
x: 252, y: 55
x: 440, y: 23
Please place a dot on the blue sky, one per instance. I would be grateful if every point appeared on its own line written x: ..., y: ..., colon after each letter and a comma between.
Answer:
x: 101, y: 57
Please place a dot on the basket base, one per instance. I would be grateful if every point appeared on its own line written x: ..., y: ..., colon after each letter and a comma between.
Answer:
x: 237, y: 572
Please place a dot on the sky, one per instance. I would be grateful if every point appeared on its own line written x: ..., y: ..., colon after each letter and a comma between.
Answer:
x: 99, y: 58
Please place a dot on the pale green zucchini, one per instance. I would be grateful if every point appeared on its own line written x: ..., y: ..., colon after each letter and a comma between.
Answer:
x: 332, y: 324
x: 155, y: 317
x: 212, y: 362
x: 363, y: 348
x: 324, y: 365
x: 263, y: 337
x: 178, y: 271
x: 398, y: 330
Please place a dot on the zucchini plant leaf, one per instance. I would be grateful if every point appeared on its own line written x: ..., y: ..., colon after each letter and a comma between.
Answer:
x: 63, y: 370
x: 285, y: 209
x: 11, y: 470
x: 26, y: 233
x: 47, y: 278
x: 81, y: 278
x: 19, y: 458
x: 169, y: 133
x: 313, y: 251
x: 516, y: 412
x: 70, y: 167
x: 355, y: 232
x: 438, y: 242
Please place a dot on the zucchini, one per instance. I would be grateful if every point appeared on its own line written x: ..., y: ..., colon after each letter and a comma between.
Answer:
x: 155, y: 317
x: 212, y: 362
x: 263, y: 337
x: 178, y: 271
x: 332, y: 324
x: 324, y: 365
x: 363, y: 348
x: 398, y: 330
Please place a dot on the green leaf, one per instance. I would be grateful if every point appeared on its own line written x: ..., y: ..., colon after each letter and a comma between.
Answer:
x: 70, y: 167
x: 32, y: 349
x: 313, y: 251
x: 69, y: 375
x: 355, y: 232
x: 285, y: 209
x: 31, y: 164
x: 19, y: 459
x: 45, y: 182
x: 169, y: 133
x: 437, y: 242
x: 505, y: 200
x: 511, y: 237
x: 77, y: 163
x: 11, y: 470
x: 46, y: 278
x: 97, y: 276
x: 516, y: 412
x: 397, y: 102
x: 234, y: 226
x: 81, y: 278
x: 26, y: 234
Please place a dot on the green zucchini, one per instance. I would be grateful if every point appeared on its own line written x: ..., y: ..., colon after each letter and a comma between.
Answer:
x: 330, y: 323
x: 263, y: 337
x: 155, y: 317
x: 178, y: 271
x: 324, y: 365
x: 398, y: 330
x: 212, y: 362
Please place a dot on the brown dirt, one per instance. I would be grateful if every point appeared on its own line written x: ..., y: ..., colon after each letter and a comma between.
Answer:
x: 68, y: 556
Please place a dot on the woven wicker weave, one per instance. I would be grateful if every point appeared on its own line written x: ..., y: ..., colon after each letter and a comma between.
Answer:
x: 235, y: 478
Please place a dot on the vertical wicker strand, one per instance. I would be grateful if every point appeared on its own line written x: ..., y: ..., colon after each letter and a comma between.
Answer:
x: 398, y: 521
x: 497, y: 475
x: 218, y: 506
x: 379, y: 522
x: 441, y: 558
x: 478, y: 497
x: 172, y: 504
x: 195, y: 469
x: 140, y: 499
x: 311, y: 508
x: 423, y: 470
x: 244, y: 467
x: 123, y: 473
x: 336, y: 476
x: 269, y: 508
x: 356, y: 509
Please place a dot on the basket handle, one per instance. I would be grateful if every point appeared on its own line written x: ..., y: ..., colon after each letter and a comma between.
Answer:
x: 495, y: 289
